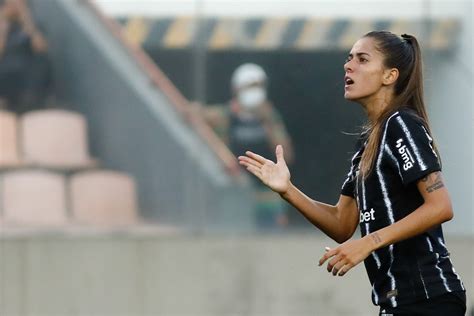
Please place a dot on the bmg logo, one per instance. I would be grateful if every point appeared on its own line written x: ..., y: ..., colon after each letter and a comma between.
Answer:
x: 405, y: 154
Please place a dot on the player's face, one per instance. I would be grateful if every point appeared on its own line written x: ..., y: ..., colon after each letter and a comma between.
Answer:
x: 364, y: 71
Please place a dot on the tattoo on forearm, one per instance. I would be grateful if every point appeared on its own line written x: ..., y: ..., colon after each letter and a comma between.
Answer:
x: 433, y: 182
x: 376, y: 238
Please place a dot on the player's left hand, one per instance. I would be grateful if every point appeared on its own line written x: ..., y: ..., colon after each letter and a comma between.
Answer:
x: 347, y: 255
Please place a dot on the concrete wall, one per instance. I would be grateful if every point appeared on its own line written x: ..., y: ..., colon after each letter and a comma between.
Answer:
x: 133, y: 274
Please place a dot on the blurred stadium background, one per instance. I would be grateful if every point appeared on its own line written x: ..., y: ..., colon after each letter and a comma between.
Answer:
x: 117, y: 198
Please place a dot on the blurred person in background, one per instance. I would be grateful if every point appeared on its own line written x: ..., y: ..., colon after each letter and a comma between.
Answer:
x: 250, y: 121
x: 25, y: 74
x: 394, y: 189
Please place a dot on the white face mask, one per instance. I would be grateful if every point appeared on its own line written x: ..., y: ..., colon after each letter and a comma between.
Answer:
x: 251, y: 98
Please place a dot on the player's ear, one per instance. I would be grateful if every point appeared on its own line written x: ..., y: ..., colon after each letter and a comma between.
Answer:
x: 390, y: 76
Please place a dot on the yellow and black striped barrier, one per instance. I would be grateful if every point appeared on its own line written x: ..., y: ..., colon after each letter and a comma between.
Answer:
x: 279, y: 33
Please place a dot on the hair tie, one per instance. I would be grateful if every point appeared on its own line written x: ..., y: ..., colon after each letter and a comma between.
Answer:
x: 407, y: 38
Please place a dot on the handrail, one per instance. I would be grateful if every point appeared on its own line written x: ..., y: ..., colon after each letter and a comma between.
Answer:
x: 181, y: 104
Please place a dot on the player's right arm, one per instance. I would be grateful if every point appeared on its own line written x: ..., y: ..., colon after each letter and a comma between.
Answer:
x: 337, y: 221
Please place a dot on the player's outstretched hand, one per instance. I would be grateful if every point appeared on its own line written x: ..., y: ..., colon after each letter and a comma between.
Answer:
x: 347, y: 255
x: 274, y: 175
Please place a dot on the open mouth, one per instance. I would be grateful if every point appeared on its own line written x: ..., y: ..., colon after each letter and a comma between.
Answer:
x: 348, y: 81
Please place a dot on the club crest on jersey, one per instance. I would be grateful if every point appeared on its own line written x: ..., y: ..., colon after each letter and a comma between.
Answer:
x: 368, y: 216
x: 405, y: 154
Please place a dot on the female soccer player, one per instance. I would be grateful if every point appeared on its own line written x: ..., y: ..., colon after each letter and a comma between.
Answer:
x: 394, y: 189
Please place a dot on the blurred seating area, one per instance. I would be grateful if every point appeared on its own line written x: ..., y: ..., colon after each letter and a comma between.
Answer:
x: 48, y: 178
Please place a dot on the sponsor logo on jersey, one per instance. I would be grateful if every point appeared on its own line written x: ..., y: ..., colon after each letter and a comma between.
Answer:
x: 368, y: 216
x: 405, y: 154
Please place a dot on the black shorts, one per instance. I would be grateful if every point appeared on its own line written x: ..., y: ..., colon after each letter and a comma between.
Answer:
x: 452, y: 304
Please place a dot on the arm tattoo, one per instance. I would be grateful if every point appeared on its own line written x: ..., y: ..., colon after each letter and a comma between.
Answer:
x: 376, y: 238
x: 433, y: 182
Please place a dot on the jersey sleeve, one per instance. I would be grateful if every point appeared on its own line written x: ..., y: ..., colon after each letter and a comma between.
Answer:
x: 348, y: 186
x: 410, y: 148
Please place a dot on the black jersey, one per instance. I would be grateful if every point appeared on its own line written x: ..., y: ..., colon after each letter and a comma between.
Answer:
x: 417, y: 268
x: 249, y: 133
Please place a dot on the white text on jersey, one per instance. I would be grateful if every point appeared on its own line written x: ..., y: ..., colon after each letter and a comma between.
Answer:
x: 405, y: 154
x: 367, y: 216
